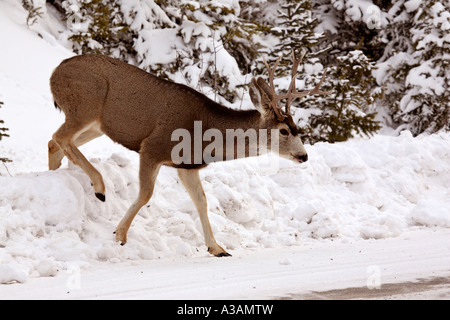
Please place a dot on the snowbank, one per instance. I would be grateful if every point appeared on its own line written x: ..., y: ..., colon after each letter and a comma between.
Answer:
x: 360, y: 189
x: 51, y: 221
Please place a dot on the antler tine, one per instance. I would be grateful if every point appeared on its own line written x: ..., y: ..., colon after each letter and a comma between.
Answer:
x: 294, y: 94
x: 289, y: 96
x: 275, y: 97
x: 272, y: 72
x: 295, y: 67
x: 316, y: 89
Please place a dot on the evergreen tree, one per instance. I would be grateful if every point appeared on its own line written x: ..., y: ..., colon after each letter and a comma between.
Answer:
x: 3, y: 134
x: 98, y: 26
x: 352, y: 25
x: 212, y: 33
x: 416, y: 67
x: 34, y: 11
x: 348, y: 111
x: 295, y: 32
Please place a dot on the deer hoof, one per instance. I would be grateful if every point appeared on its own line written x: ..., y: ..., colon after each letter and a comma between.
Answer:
x: 223, y: 254
x: 120, y: 237
x: 100, y: 196
x: 219, y: 252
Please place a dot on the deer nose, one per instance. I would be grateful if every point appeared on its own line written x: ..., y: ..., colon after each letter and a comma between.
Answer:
x: 302, y: 158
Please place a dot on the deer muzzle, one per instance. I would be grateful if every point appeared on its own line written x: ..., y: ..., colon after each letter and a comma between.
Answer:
x: 301, y: 158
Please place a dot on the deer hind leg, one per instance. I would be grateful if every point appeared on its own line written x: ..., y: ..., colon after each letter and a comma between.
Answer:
x: 191, y: 181
x: 56, y: 154
x: 67, y: 137
x: 88, y: 135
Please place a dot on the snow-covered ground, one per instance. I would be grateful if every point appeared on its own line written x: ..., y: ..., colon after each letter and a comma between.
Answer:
x: 364, y: 268
x: 361, y: 213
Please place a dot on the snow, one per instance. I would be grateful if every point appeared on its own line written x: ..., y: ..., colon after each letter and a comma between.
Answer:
x: 315, y: 270
x: 355, y: 10
x: 268, y: 212
x: 163, y: 53
x: 412, y: 5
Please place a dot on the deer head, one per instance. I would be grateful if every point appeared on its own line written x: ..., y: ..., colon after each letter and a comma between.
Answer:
x: 267, y: 102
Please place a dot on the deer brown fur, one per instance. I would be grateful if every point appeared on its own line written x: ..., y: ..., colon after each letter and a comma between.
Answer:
x: 101, y: 95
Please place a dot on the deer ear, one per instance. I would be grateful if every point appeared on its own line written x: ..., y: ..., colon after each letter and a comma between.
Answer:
x: 259, y: 96
x: 255, y: 96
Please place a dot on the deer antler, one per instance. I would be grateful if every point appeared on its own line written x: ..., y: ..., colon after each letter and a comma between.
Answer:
x: 275, y: 97
x: 292, y: 92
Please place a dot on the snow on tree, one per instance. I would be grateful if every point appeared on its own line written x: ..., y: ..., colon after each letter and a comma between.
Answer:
x: 34, y: 11
x: 214, y: 45
x: 416, y: 66
x: 352, y: 24
x: 98, y: 26
x: 294, y: 29
x: 200, y: 58
x: 348, y: 111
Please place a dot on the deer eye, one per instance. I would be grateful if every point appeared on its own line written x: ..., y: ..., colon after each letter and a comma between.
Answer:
x: 284, y: 132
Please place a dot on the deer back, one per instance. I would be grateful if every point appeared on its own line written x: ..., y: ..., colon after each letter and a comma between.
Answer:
x: 129, y: 103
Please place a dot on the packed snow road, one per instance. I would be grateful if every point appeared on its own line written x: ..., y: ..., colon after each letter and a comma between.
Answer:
x: 414, y: 265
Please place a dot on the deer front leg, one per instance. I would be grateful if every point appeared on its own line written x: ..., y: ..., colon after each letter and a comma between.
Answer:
x: 63, y: 141
x: 147, y: 176
x: 191, y: 181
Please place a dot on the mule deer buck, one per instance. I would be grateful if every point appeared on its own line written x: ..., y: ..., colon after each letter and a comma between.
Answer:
x: 101, y: 95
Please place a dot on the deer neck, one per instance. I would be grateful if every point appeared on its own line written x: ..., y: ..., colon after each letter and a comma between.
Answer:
x: 228, y: 119
x: 242, y: 132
